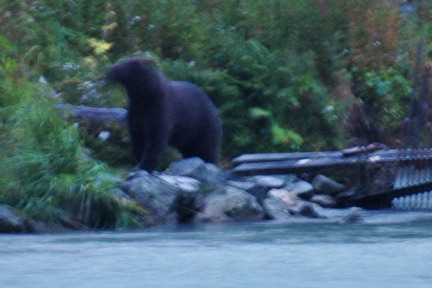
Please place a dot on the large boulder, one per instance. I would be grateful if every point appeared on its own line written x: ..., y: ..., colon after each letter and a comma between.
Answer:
x: 289, y: 199
x: 323, y: 200
x: 277, y: 205
x: 153, y: 193
x: 284, y: 205
x: 210, y: 176
x: 230, y: 204
x: 275, y: 208
x: 188, y: 198
x: 301, y: 189
x: 186, y: 166
x: 184, y: 183
x: 269, y: 181
x: 11, y: 222
x: 306, y: 209
x: 207, y: 173
x: 324, y: 185
x: 257, y: 190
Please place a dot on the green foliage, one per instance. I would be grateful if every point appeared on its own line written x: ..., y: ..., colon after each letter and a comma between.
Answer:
x: 44, y: 170
x: 386, y: 96
x: 114, y: 151
x: 282, y: 73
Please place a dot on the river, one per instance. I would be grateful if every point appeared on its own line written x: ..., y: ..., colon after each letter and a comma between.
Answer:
x: 390, y: 249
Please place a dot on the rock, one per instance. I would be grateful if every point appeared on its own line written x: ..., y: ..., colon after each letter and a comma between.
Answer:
x: 325, y: 185
x: 301, y: 189
x: 186, y: 166
x: 186, y: 204
x: 182, y: 182
x: 275, y: 208
x: 136, y: 174
x: 259, y: 191
x: 269, y: 181
x: 210, y: 176
x: 11, y: 222
x: 352, y: 217
x: 207, y: 173
x: 153, y: 193
x: 230, y: 174
x: 304, y: 209
x: 287, y: 198
x: 342, y: 199
x: 230, y: 204
x: 324, y: 200
x: 201, y: 192
x: 277, y: 205
x: 282, y: 205
x: 122, y: 198
x: 244, y: 185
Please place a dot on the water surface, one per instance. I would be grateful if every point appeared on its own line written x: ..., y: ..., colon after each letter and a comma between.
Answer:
x: 391, y: 249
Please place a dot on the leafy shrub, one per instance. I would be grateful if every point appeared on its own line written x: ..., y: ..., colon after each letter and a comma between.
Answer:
x: 43, y: 166
x: 385, y: 95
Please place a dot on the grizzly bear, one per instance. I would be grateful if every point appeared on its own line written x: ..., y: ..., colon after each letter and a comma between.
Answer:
x: 163, y: 112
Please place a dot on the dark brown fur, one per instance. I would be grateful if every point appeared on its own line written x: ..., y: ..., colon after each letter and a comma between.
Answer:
x: 163, y: 112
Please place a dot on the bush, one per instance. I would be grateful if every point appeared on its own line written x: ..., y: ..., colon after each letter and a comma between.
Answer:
x: 44, y: 170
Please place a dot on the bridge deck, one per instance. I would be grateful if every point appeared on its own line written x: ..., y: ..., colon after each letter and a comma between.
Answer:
x: 407, y: 180
x: 283, y: 163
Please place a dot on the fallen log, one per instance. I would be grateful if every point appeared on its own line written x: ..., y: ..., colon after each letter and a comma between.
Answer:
x: 94, y: 118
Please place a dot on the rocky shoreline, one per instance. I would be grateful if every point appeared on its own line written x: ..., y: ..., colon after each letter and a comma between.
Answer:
x: 191, y: 191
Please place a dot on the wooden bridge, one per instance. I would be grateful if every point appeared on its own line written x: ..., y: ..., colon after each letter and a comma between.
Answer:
x: 379, y: 175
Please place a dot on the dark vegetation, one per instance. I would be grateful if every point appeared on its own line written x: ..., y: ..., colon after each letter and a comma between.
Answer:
x: 285, y: 75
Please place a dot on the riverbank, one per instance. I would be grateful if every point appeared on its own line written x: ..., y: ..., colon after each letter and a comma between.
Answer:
x: 193, y: 192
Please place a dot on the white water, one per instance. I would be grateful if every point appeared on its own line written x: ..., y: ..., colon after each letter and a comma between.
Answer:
x: 392, y: 249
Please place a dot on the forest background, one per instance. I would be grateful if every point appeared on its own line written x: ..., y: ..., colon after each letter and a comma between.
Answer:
x: 286, y: 75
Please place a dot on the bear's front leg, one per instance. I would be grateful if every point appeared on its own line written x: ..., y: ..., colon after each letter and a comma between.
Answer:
x: 156, y: 141
x: 152, y: 155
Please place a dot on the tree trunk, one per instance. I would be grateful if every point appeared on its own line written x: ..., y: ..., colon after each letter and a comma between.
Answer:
x: 94, y: 118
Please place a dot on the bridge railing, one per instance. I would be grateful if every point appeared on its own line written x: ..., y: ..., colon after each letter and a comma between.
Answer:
x: 379, y: 176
